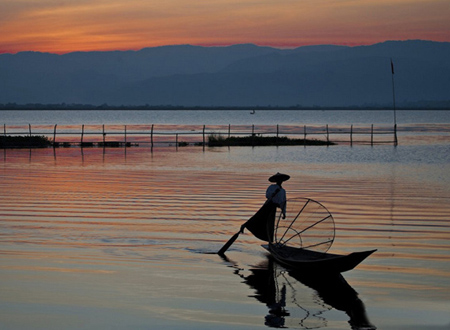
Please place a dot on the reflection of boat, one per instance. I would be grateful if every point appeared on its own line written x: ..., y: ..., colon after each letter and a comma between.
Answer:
x: 301, y: 239
x: 289, y: 302
x: 335, y: 291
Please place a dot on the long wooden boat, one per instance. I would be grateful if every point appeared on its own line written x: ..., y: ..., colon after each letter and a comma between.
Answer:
x: 301, y: 238
x: 312, y: 261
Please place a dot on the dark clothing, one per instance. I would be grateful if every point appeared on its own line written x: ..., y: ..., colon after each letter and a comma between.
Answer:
x: 261, y: 225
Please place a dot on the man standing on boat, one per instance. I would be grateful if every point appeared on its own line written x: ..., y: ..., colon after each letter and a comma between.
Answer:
x: 275, y: 193
x: 262, y: 223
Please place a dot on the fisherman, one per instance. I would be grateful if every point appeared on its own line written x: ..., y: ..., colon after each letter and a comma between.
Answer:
x: 275, y: 193
x: 262, y: 223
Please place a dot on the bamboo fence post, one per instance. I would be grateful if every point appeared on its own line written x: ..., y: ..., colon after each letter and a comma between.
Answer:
x: 29, y: 129
x: 125, y: 136
x: 176, y: 141
x: 4, y: 129
x: 104, y: 134
x: 204, y: 127
x: 82, y: 134
x: 395, y: 135
x: 351, y: 135
x: 304, y: 135
x: 328, y: 136
x: 371, y: 136
x: 278, y: 132
x: 54, y: 135
x: 253, y: 135
x: 229, y: 130
x: 151, y: 137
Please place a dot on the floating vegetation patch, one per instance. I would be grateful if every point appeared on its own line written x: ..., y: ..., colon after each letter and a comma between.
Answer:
x: 114, y: 144
x: 32, y: 141
x: 257, y: 140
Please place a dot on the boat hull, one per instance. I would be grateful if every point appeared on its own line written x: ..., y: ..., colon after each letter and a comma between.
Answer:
x: 311, y: 261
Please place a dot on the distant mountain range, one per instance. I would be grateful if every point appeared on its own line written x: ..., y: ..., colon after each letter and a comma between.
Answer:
x: 239, y: 75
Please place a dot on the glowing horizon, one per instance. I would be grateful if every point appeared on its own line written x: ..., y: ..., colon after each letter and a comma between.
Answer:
x: 105, y: 25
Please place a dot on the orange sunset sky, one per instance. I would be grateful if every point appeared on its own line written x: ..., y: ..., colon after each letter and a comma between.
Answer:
x: 61, y: 26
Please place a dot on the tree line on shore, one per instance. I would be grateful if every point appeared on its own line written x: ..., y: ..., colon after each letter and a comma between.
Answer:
x: 420, y: 105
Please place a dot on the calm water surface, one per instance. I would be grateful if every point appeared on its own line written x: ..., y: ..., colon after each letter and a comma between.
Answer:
x: 221, y: 117
x: 115, y: 238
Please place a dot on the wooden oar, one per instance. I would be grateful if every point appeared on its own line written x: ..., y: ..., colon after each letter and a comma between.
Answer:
x: 228, y: 244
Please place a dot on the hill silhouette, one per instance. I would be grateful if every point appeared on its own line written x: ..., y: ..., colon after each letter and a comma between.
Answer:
x: 238, y: 75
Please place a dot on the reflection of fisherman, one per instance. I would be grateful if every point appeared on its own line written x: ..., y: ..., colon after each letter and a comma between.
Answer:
x: 278, y: 289
x: 262, y: 223
x: 275, y: 193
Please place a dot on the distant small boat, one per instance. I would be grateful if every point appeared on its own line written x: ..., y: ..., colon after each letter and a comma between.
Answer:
x: 253, y: 112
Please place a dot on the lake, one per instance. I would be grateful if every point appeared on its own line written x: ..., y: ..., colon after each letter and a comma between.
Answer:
x: 114, y: 238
